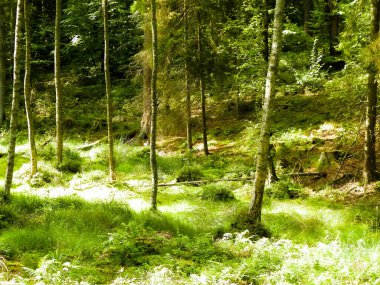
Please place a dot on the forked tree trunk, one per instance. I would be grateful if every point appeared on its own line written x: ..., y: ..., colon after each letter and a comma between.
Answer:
x: 187, y: 78
x: 58, y: 85
x: 3, y: 68
x: 27, y: 96
x: 111, y: 159
x: 263, y: 152
x: 369, y: 170
x: 202, y: 85
x: 153, y: 127
x: 15, y: 96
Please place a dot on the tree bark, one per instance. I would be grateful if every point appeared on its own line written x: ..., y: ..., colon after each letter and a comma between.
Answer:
x: 27, y: 96
x: 369, y: 170
x: 263, y: 152
x: 57, y: 80
x: 187, y: 75
x: 3, y: 68
x: 202, y: 85
x: 154, y: 103
x: 147, y: 82
x: 14, y: 109
x: 111, y: 159
x: 333, y: 26
x: 308, y: 7
x: 265, y: 29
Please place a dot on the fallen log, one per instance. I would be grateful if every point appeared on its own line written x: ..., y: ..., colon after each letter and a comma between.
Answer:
x: 203, y: 182
x: 318, y: 174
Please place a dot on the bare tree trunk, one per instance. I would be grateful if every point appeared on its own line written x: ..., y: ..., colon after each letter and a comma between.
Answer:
x: 153, y: 127
x: 147, y: 82
x: 333, y: 26
x: 187, y: 83
x: 369, y: 170
x: 111, y: 160
x: 3, y: 68
x: 27, y: 97
x: 263, y: 152
x: 58, y: 85
x: 202, y: 86
x: 15, y: 96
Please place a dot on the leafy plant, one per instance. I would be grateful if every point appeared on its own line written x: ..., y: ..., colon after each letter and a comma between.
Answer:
x: 285, y: 189
x: 217, y: 192
x: 189, y: 173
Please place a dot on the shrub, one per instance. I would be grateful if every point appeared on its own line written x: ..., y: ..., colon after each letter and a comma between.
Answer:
x: 285, y: 189
x: 189, y: 173
x: 217, y: 192
x: 72, y: 161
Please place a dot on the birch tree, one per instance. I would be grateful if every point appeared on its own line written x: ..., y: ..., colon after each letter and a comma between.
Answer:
x: 15, y: 96
x: 3, y: 68
x: 27, y: 96
x: 263, y: 152
x: 111, y: 160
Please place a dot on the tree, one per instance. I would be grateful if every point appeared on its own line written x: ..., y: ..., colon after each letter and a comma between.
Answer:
x: 371, y: 102
x: 263, y: 152
x: 57, y: 80
x: 202, y: 83
x: 154, y: 103
x: 111, y: 160
x: 3, y: 68
x: 15, y: 97
x: 27, y: 96
x: 187, y: 79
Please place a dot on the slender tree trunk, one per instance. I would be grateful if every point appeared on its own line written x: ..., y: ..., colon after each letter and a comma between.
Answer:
x: 263, y: 152
x: 27, y: 97
x: 154, y: 103
x: 3, y: 69
x: 58, y: 85
x: 308, y: 7
x: 15, y: 96
x: 187, y: 76
x: 265, y: 29
x: 371, y: 109
x: 111, y: 160
x: 147, y: 82
x: 202, y: 86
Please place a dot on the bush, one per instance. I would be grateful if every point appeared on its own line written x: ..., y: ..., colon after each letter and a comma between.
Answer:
x: 189, y: 173
x: 217, y: 192
x: 285, y: 189
x: 72, y: 161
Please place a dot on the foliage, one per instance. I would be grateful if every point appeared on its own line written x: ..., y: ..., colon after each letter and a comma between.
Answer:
x: 217, y: 192
x: 189, y: 173
x: 285, y: 189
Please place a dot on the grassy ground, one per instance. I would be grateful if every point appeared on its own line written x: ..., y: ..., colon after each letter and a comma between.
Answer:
x: 73, y: 227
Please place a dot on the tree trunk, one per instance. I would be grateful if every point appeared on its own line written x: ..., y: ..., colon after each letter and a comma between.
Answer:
x: 371, y: 110
x: 154, y: 103
x: 27, y: 97
x: 333, y: 26
x: 3, y: 69
x: 147, y: 82
x: 263, y: 152
x: 58, y: 85
x: 14, y: 109
x: 265, y: 29
x: 111, y: 160
x: 308, y: 7
x: 202, y: 86
x: 187, y: 83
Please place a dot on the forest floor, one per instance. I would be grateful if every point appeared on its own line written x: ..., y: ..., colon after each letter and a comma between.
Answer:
x: 74, y: 227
